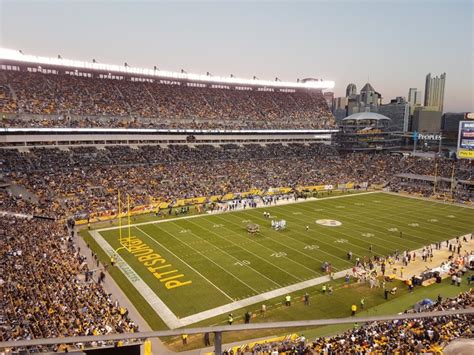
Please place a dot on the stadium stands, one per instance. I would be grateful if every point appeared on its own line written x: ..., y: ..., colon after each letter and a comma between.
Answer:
x: 86, y: 179
x: 400, y: 336
x: 83, y: 180
x: 46, y: 293
x: 60, y: 100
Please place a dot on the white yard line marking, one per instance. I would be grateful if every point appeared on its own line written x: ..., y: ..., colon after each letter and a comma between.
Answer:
x: 284, y: 247
x: 169, y: 317
x: 428, y: 199
x: 203, y: 255
x: 184, y: 262
x: 145, y: 291
x: 233, y: 257
x: 311, y: 199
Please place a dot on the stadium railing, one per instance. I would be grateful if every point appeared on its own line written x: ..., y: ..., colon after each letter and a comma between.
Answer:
x: 228, y: 328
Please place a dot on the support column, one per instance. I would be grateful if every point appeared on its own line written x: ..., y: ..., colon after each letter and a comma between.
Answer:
x: 217, y: 343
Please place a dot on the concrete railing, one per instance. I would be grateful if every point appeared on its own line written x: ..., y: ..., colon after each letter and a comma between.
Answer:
x: 228, y: 328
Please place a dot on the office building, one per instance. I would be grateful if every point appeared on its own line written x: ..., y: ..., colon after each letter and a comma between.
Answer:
x: 434, y: 91
x: 426, y: 120
x: 414, y: 99
x: 398, y: 111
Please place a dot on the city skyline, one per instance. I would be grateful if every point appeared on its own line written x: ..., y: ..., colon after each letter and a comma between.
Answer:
x: 348, y: 42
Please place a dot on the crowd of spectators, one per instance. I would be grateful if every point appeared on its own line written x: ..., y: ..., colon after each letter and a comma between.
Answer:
x: 43, y: 288
x: 74, y: 101
x: 405, y: 336
x: 86, y: 179
x: 410, y: 336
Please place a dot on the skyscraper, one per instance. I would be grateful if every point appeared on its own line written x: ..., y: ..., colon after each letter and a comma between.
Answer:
x: 351, y: 90
x: 434, y: 91
x: 414, y: 99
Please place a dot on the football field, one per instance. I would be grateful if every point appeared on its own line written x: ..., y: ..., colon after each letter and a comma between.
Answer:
x: 192, y: 268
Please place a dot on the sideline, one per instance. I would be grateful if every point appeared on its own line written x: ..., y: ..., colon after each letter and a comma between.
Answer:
x: 173, y: 322
x: 402, y: 194
x: 261, y: 205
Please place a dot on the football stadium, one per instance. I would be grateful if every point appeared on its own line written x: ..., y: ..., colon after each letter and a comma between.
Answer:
x: 146, y: 211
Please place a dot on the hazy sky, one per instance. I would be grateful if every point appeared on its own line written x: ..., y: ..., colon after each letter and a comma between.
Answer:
x: 394, y: 43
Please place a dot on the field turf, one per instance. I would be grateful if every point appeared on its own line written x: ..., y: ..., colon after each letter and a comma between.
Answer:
x: 225, y: 264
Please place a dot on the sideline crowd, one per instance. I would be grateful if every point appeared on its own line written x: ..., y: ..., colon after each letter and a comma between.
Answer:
x: 410, y: 336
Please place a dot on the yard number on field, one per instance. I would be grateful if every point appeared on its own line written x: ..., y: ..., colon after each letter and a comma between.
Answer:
x: 242, y: 263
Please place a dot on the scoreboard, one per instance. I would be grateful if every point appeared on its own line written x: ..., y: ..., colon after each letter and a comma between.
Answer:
x: 466, y: 140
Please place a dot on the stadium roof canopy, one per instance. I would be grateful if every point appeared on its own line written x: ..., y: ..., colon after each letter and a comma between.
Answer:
x: 16, y: 56
x: 366, y: 116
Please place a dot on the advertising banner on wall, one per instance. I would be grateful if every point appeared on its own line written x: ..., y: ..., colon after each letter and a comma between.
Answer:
x: 466, y: 140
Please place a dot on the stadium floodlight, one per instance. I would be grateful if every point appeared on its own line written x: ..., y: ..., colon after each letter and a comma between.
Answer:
x: 16, y: 56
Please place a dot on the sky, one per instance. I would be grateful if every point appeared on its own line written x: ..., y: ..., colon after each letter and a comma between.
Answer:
x: 392, y: 44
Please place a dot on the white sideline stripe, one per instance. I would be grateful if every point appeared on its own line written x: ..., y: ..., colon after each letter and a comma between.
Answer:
x: 248, y: 209
x: 457, y: 204
x: 259, y: 298
x: 145, y: 291
x: 173, y: 322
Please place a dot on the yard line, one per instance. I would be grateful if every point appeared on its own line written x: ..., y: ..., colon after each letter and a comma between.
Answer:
x: 138, y: 283
x: 456, y: 204
x: 399, y: 216
x: 435, y: 210
x: 212, y: 261
x: 276, y: 241
x: 319, y: 241
x: 184, y: 262
x: 426, y: 227
x: 312, y: 199
x: 254, y: 241
x: 209, y: 231
x: 417, y: 215
x: 341, y: 232
x: 357, y: 223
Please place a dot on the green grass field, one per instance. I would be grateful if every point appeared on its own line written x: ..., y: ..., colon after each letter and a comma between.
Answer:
x: 221, y: 263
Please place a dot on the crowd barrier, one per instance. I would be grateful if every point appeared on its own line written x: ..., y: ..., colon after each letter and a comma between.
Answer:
x: 157, y: 206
